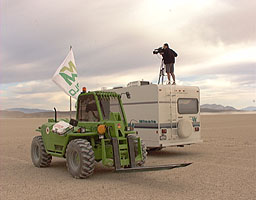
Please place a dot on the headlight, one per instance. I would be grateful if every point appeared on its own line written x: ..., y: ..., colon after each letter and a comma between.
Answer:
x: 101, y: 129
x: 81, y: 130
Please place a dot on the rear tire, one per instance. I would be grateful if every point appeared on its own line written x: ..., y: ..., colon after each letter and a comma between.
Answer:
x: 39, y: 156
x: 143, y: 148
x: 80, y: 158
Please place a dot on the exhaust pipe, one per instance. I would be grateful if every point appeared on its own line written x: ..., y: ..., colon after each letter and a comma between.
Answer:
x: 55, y: 113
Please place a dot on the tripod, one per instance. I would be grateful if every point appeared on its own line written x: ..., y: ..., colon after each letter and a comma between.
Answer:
x: 161, y: 73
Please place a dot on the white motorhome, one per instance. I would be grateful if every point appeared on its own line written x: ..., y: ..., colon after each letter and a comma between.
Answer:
x: 163, y: 115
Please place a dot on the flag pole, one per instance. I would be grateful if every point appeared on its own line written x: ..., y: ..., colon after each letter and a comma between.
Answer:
x: 70, y: 100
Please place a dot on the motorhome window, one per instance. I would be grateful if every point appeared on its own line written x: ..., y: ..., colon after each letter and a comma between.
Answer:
x: 144, y: 83
x: 108, y: 105
x: 87, y: 109
x: 187, y: 106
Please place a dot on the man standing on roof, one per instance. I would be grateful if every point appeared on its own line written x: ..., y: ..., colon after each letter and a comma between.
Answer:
x: 169, y: 60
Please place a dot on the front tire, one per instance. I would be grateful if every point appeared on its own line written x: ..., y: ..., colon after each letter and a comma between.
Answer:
x: 39, y: 156
x: 80, y: 158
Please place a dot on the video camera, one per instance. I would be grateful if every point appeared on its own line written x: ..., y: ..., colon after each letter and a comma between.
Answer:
x: 159, y: 50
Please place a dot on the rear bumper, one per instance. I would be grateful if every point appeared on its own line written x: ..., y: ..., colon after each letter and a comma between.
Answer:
x: 174, y: 144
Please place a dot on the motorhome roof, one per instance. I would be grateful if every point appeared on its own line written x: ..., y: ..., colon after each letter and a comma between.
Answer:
x: 179, y: 87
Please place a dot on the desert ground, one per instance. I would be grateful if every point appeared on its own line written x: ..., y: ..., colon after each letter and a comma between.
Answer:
x: 224, y: 167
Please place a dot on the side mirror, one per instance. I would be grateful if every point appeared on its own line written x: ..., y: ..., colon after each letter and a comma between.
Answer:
x: 128, y: 95
x: 73, y: 122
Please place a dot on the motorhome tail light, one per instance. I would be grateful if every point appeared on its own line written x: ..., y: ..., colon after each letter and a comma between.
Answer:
x: 164, y: 130
x: 196, y: 128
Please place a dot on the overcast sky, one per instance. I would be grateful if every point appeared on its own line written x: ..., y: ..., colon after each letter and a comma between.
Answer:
x: 113, y: 42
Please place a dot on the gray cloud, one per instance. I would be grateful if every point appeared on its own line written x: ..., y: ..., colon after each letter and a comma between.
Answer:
x: 234, y: 24
x: 40, y: 40
x: 248, y: 68
x: 35, y: 38
x: 243, y: 73
x: 34, y: 87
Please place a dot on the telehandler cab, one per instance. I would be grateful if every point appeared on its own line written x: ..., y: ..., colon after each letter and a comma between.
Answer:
x: 99, y: 133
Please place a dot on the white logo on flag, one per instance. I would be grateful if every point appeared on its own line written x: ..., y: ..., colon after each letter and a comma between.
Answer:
x: 66, y: 76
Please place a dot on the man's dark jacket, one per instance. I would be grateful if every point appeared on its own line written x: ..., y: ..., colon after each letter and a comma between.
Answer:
x: 169, y: 56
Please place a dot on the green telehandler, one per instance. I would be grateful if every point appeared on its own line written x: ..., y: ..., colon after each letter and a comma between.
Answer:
x: 99, y: 133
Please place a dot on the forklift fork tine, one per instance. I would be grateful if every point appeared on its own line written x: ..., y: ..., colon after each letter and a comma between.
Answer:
x: 153, y: 168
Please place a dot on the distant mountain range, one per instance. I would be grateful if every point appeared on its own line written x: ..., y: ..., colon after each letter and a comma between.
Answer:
x: 28, y: 110
x: 44, y: 114
x: 216, y: 108
x: 249, y: 108
x: 33, y: 113
x: 41, y: 113
x: 221, y: 108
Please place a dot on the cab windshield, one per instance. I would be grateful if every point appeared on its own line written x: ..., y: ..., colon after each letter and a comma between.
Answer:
x: 87, y: 109
x: 108, y: 105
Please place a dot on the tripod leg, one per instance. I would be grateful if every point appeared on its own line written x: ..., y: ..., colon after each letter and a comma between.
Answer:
x: 159, y: 77
x: 162, y: 76
x: 161, y: 73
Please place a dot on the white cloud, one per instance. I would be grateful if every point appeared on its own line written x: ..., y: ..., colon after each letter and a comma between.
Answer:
x: 223, y: 90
